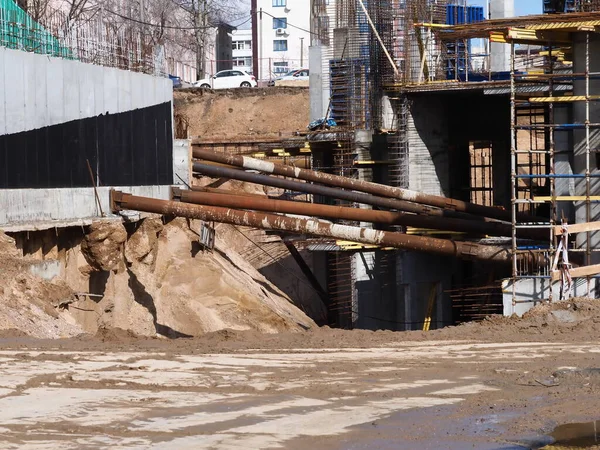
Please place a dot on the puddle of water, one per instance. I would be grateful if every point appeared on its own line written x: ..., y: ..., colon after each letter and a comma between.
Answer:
x: 576, y: 435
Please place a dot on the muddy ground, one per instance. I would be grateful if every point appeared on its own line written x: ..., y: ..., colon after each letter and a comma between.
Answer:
x: 504, y: 383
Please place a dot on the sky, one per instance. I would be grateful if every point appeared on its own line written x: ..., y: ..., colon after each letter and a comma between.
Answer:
x: 522, y: 7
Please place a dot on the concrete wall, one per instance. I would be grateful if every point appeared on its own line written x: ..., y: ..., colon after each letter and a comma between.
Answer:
x: 182, y: 162
x: 37, y: 91
x: 532, y: 292
x: 428, y: 146
x: 39, y: 209
x: 415, y: 276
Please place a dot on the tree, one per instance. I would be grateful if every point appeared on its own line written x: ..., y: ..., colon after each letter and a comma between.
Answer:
x: 37, y: 9
x: 203, y: 16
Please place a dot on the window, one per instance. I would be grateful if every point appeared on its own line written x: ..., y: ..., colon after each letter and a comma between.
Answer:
x: 223, y: 74
x: 280, y: 67
x: 280, y: 45
x: 241, y: 45
x: 242, y: 62
x: 279, y: 22
x: 279, y: 2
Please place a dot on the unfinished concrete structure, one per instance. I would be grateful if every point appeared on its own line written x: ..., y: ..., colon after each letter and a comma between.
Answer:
x: 415, y: 110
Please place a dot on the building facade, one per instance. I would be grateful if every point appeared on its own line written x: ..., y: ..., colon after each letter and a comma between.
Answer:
x: 242, y: 50
x: 282, y: 29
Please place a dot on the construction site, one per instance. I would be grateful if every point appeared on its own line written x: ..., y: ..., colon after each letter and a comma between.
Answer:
x: 403, y: 255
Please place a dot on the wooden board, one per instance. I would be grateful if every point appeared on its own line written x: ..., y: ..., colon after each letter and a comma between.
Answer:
x: 579, y: 272
x: 568, y: 198
x: 579, y: 227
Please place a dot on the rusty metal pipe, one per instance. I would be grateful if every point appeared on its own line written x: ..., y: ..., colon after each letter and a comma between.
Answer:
x: 357, y: 197
x: 355, y: 185
x: 229, y: 199
x: 120, y: 200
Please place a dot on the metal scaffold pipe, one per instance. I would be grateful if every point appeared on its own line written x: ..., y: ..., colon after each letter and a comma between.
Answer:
x: 229, y: 199
x: 314, y: 227
x: 353, y: 184
x: 298, y: 186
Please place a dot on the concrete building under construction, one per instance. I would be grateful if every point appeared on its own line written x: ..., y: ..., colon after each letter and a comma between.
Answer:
x: 451, y: 100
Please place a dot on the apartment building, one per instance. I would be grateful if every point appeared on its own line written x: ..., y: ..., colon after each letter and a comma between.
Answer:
x: 241, y: 46
x: 282, y: 27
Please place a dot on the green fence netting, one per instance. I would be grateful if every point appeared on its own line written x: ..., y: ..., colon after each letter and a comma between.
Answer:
x: 19, y: 31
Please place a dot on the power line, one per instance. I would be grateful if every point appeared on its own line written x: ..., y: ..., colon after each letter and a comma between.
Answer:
x: 244, y: 22
x: 131, y: 19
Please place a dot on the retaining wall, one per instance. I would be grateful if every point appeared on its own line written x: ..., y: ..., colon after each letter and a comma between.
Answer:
x: 56, y: 115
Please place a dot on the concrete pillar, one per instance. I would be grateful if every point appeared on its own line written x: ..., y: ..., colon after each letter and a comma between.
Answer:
x: 316, y: 88
x: 500, y: 53
x: 579, y: 136
x: 563, y: 143
x: 364, y: 263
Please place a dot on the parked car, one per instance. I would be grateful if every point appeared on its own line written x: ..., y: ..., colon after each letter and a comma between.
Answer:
x: 292, y: 75
x: 227, y: 79
x: 176, y: 81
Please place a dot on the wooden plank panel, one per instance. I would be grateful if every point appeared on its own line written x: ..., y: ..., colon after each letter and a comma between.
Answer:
x: 579, y: 227
x: 579, y: 272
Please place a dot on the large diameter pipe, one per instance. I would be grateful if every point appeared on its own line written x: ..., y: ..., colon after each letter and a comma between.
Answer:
x: 353, y: 184
x: 229, y: 199
x: 357, y: 197
x: 120, y: 200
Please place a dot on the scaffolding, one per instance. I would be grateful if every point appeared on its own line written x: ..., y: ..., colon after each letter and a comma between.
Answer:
x: 537, y: 171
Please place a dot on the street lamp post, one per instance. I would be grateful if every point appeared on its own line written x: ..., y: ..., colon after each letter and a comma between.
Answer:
x: 301, y: 52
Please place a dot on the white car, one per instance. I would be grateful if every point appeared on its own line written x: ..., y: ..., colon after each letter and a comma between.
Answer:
x: 227, y: 79
x: 292, y: 75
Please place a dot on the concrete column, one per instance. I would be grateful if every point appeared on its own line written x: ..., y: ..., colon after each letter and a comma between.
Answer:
x: 500, y: 53
x: 563, y: 143
x: 579, y: 136
x: 316, y: 88
x: 364, y: 263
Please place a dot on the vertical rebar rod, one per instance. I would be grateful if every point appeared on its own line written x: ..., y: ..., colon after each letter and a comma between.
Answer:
x: 513, y: 172
x: 588, y: 206
x: 552, y: 150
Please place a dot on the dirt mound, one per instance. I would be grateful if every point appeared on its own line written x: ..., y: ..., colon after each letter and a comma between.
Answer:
x: 115, y: 335
x: 264, y: 112
x: 28, y: 303
x: 576, y: 318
